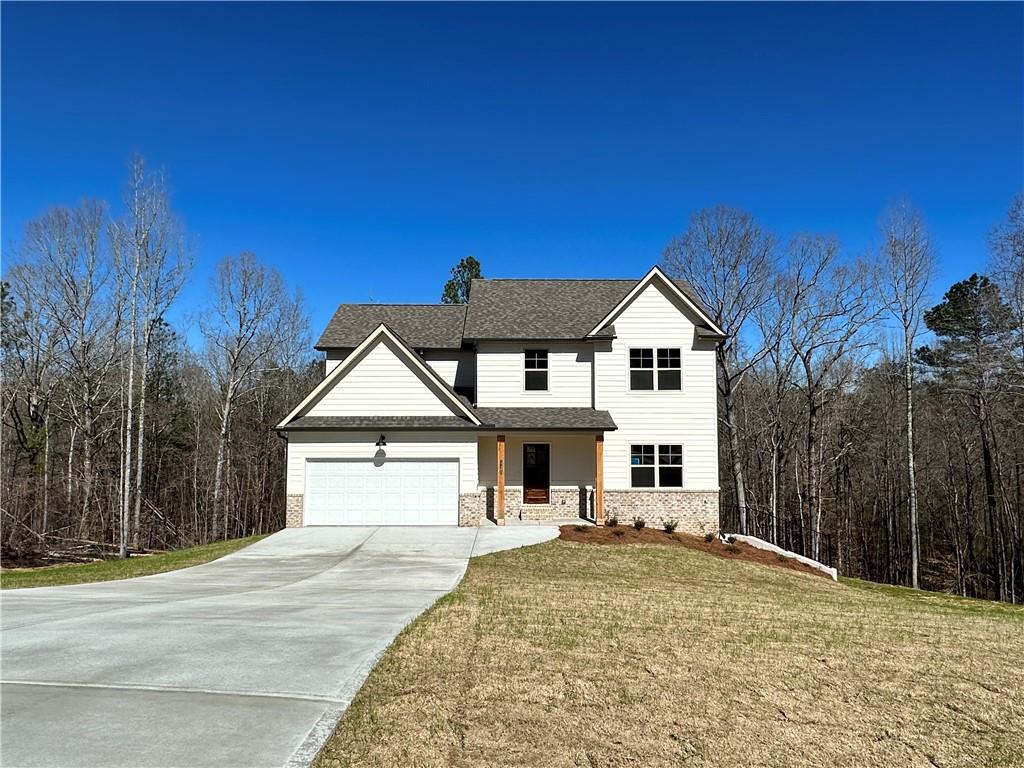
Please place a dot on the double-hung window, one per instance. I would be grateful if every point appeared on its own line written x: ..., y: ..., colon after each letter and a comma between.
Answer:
x: 656, y: 466
x: 536, y: 370
x: 644, y: 375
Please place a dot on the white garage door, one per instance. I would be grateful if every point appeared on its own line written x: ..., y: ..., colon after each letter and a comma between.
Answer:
x: 396, y: 492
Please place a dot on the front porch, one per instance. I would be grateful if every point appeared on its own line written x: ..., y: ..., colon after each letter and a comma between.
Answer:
x: 541, y: 476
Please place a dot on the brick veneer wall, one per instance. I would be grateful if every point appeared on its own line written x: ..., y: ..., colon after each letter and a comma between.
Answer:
x: 565, y: 503
x: 695, y: 511
x: 293, y: 511
x: 472, y: 508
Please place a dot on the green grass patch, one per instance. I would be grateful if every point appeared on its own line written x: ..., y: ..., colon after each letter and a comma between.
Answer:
x: 113, y: 570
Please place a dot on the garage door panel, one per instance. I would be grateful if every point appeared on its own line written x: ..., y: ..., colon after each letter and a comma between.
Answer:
x: 396, y: 492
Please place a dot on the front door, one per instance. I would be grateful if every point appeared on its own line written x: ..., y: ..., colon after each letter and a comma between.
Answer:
x: 536, y: 473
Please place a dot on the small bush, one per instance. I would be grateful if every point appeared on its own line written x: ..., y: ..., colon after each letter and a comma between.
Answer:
x: 612, y: 521
x: 639, y: 523
x: 618, y: 532
x: 709, y: 537
x: 732, y: 548
x: 581, y: 528
x: 731, y: 539
x: 670, y: 525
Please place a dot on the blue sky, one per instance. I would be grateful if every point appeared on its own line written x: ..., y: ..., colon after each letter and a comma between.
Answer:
x: 364, y: 149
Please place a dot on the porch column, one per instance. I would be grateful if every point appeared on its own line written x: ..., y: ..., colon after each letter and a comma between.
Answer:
x: 499, y: 504
x: 599, y: 479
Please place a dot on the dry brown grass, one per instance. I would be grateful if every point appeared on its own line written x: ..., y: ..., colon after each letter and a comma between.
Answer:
x: 577, y: 655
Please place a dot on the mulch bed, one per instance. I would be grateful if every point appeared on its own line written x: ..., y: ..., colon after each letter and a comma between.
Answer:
x: 621, y: 534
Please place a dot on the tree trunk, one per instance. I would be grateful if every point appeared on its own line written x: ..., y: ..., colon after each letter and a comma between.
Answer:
x: 144, y: 374
x: 915, y: 542
x: 734, y: 449
x: 218, y: 476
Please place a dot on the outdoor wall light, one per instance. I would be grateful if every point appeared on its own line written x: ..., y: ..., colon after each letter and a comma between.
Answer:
x: 381, y: 442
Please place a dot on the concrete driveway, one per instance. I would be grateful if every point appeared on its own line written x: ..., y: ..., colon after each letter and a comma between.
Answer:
x: 246, y: 661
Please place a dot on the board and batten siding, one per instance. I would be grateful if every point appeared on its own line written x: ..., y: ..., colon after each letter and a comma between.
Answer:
x: 656, y: 319
x: 380, y: 384
x: 303, y: 446
x: 501, y: 383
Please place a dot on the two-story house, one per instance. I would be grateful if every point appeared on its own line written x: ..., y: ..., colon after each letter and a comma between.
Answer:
x: 539, y: 399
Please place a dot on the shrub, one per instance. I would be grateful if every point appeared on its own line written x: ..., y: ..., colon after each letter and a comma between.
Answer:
x: 618, y: 532
x: 670, y: 525
x: 612, y: 521
x: 581, y: 528
x: 709, y: 537
x: 732, y: 548
x: 639, y: 522
x: 731, y: 539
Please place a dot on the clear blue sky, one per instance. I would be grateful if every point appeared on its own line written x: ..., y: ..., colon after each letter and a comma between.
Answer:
x: 364, y: 149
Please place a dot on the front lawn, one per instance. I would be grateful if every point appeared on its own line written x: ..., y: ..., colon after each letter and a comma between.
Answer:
x: 569, y: 654
x: 110, y: 570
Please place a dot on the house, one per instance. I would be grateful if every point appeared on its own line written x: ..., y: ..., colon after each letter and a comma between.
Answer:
x: 538, y: 400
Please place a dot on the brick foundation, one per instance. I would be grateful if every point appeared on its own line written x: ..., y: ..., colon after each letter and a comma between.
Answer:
x: 293, y: 511
x: 694, y: 511
x: 565, y: 503
x: 472, y: 508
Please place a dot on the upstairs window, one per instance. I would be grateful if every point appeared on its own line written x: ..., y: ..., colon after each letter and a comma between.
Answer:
x: 656, y: 466
x: 536, y: 370
x: 643, y: 375
x: 641, y: 369
x: 669, y: 369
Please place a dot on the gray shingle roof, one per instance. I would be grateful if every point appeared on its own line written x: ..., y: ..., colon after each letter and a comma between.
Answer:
x: 534, y: 419
x: 545, y: 419
x: 343, y: 423
x: 545, y: 309
x: 422, y: 326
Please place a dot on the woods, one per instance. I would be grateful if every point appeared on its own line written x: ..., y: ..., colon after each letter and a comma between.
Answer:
x: 120, y: 430
x: 862, y: 402
x: 864, y: 408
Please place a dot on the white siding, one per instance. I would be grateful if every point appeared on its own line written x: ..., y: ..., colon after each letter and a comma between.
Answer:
x: 380, y: 384
x: 500, y: 376
x: 655, y: 319
x: 401, y: 445
x: 457, y: 367
x: 572, y: 458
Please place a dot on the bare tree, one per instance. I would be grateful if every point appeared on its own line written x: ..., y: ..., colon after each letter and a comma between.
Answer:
x: 1006, y: 246
x: 155, y: 260
x: 729, y: 260
x: 908, y: 266
x: 66, y: 254
x: 829, y: 306
x: 255, y: 326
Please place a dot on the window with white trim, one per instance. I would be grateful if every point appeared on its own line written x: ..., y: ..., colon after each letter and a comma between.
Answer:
x: 644, y: 375
x: 536, y: 363
x: 656, y: 466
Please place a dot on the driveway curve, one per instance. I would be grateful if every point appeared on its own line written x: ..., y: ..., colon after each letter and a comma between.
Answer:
x: 246, y: 661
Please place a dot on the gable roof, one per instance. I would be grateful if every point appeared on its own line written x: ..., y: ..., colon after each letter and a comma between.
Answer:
x: 422, y: 326
x: 379, y: 334
x: 552, y: 310
x: 673, y: 286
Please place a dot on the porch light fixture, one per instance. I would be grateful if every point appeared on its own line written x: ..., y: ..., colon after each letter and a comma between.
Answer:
x: 381, y: 442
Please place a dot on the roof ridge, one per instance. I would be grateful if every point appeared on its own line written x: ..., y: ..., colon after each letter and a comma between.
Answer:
x: 393, y: 304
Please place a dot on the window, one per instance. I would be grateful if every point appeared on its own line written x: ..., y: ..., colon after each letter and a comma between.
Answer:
x: 670, y: 466
x: 641, y: 460
x: 642, y: 371
x: 658, y: 466
x: 536, y: 370
x: 669, y: 369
